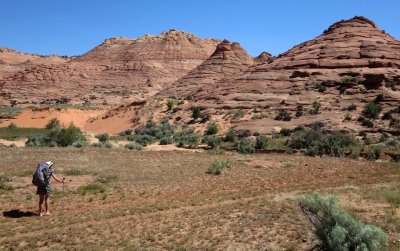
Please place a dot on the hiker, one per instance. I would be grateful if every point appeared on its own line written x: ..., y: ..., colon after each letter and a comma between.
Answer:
x: 41, y: 179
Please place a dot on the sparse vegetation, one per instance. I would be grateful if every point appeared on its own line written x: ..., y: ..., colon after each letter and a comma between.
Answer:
x: 372, y: 110
x: 170, y: 104
x: 187, y: 137
x: 196, y: 112
x: 351, y: 107
x: 337, y: 229
x: 230, y: 136
x: 239, y: 113
x: 218, y: 166
x: 54, y: 123
x: 246, y: 146
x: 261, y: 142
x: 103, y: 137
x: 212, y: 129
x: 134, y: 146
x: 283, y: 116
x: 316, y: 106
x: 9, y: 111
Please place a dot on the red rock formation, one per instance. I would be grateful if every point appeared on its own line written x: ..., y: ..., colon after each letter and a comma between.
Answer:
x: 228, y: 59
x: 118, y: 71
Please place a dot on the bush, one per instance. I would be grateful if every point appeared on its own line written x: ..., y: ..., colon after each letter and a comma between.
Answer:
x: 79, y: 144
x: 230, y: 136
x: 54, y: 123
x: 261, y: 142
x: 66, y: 136
x: 372, y: 110
x: 12, y: 126
x: 239, y: 113
x: 284, y: 132
x: 212, y: 129
x: 315, y: 107
x: 126, y: 132
x: 283, y: 116
x: 187, y: 137
x: 218, y: 166
x: 244, y: 134
x: 196, y: 112
x: 102, y: 145
x: 102, y: 137
x: 216, y: 151
x: 367, y: 123
x: 166, y: 141
x: 315, y: 143
x: 144, y: 139
x: 373, y: 153
x: 7, y: 112
x: 337, y: 229
x: 212, y: 141
x: 170, y: 104
x: 352, y: 107
x: 134, y: 146
x: 36, y: 141
x: 246, y: 146
x: 299, y: 111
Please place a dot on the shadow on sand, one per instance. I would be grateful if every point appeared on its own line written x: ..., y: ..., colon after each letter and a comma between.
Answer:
x: 16, y: 213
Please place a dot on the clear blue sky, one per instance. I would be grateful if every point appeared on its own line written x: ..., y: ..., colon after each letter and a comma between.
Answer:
x: 72, y: 27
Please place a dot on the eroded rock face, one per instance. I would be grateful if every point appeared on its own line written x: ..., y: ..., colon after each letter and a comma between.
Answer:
x: 352, y: 62
x: 228, y: 59
x: 118, y: 71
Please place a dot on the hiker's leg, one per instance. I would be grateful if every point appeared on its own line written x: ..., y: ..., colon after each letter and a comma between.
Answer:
x: 41, y: 199
x: 46, y: 203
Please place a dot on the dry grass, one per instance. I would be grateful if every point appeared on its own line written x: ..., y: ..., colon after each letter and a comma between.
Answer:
x: 166, y: 200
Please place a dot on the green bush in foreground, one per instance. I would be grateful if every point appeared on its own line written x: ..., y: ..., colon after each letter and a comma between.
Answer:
x: 212, y: 129
x: 166, y: 141
x: 338, y: 230
x: 54, y: 123
x: 218, y: 166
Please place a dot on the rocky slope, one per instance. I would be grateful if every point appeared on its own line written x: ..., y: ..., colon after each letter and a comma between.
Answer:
x: 118, y: 71
x: 228, y: 59
x: 352, y: 62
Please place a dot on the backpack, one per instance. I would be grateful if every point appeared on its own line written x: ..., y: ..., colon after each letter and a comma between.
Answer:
x: 39, y: 177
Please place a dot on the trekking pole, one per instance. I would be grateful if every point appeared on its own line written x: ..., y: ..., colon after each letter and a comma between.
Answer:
x: 62, y: 205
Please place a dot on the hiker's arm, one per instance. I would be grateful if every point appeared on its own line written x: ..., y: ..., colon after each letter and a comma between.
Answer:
x: 57, y: 179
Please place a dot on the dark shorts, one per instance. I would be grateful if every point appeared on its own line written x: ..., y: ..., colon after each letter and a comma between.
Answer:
x: 43, y: 190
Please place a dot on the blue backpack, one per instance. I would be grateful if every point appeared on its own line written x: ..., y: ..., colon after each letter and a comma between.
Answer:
x: 40, y: 176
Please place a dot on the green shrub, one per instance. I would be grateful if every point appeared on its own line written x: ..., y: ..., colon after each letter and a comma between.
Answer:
x: 393, y: 198
x: 12, y: 126
x: 230, y: 136
x: 372, y: 110
x: 316, y: 106
x: 102, y: 145
x: 212, y: 129
x: 246, y: 146
x: 367, y: 123
x: 337, y: 229
x: 103, y: 137
x: 144, y: 139
x: 166, y: 141
x: 66, y: 136
x: 283, y: 116
x: 7, y: 112
x: 261, y: 142
x: 126, y: 132
x: 196, y: 112
x: 218, y: 166
x: 299, y: 111
x: 134, y: 146
x: 313, y: 142
x: 212, y: 141
x: 187, y: 137
x: 79, y: 144
x: 239, y: 113
x: 352, y: 107
x: 36, y: 141
x: 54, y: 123
x: 373, y: 153
x: 170, y: 104
x: 285, y: 132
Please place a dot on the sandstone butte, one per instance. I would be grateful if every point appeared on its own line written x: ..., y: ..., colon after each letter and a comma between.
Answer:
x: 118, y: 71
x: 352, y: 62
